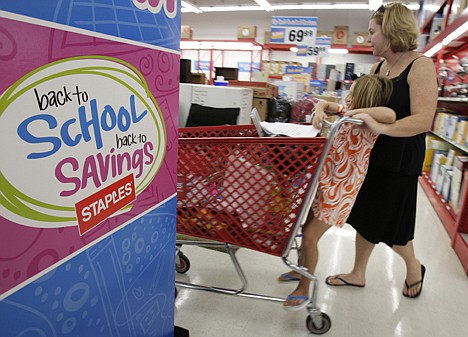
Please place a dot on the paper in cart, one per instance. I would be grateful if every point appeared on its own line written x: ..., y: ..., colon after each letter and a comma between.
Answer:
x: 266, y: 129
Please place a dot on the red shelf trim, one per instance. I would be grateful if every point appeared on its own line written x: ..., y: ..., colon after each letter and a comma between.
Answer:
x: 461, y: 248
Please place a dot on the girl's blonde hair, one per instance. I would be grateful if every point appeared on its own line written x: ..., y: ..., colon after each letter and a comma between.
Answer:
x: 370, y: 91
x: 399, y: 26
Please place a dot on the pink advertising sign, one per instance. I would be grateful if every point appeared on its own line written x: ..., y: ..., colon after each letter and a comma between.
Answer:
x: 89, y: 140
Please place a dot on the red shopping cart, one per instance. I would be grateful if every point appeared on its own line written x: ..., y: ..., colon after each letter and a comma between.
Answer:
x: 236, y: 189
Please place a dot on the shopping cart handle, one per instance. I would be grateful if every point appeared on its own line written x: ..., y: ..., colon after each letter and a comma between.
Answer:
x: 352, y: 120
x: 345, y: 120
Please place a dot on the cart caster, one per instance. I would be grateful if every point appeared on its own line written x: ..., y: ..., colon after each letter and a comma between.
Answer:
x: 182, y: 263
x: 320, y: 328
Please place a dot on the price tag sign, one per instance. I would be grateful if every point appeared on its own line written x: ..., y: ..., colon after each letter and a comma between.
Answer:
x: 298, y: 30
x: 320, y: 49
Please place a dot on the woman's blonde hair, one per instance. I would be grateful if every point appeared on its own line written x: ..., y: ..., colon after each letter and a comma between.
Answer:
x: 399, y: 26
x: 370, y: 91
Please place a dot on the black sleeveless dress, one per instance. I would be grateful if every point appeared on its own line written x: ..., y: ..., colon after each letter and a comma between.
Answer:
x: 385, y: 208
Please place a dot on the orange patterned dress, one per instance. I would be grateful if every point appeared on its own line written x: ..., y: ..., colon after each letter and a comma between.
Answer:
x: 343, y: 174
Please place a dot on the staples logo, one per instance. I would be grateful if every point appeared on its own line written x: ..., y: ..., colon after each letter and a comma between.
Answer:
x: 71, y: 129
x: 154, y: 6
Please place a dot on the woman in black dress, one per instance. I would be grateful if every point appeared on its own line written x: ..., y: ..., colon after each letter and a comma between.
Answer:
x: 385, y: 208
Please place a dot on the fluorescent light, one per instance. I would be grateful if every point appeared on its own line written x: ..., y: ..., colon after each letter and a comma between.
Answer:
x: 231, y: 8
x: 455, y: 34
x: 433, y: 50
x: 375, y: 4
x: 265, y: 5
x: 338, y: 51
x: 188, y: 7
x: 321, y: 6
x: 218, y: 45
x: 327, y: 6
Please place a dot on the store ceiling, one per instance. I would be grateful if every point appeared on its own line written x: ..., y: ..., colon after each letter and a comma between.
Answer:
x: 278, y: 5
x: 217, y: 3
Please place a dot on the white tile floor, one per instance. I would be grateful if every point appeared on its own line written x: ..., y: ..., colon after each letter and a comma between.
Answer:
x: 379, y: 309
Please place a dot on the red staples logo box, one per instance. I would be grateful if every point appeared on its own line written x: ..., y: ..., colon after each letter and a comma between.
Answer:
x: 102, y: 204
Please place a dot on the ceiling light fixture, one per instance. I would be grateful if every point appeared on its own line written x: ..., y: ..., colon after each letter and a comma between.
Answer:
x: 327, y: 6
x: 265, y: 5
x: 433, y: 50
x: 188, y: 7
x: 375, y: 4
x: 218, y: 45
x: 455, y: 34
x: 338, y: 51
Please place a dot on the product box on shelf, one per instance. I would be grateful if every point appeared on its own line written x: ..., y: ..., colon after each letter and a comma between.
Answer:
x: 443, y: 171
x: 439, y: 122
x: 290, y: 89
x: 457, y: 120
x: 261, y: 104
x: 433, y: 145
x: 215, y: 97
x: 459, y: 167
x: 247, y: 32
x: 186, y: 32
x: 260, y: 89
x: 340, y: 35
x: 322, y: 33
x: 461, y: 132
x: 449, y: 125
x: 447, y: 184
x: 439, y: 160
x: 360, y: 39
x: 198, y: 78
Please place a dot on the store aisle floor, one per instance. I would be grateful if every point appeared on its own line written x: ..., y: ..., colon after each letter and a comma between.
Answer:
x: 379, y: 309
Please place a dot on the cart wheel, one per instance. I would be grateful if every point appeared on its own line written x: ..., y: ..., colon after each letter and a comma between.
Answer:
x: 175, y: 293
x: 319, y: 330
x: 182, y: 263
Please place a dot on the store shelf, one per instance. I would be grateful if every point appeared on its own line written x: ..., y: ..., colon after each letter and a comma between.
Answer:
x: 453, y: 99
x: 442, y: 208
x: 460, y: 246
x: 351, y: 50
x: 451, y: 142
x: 456, y: 46
x: 426, y: 27
x: 455, y: 224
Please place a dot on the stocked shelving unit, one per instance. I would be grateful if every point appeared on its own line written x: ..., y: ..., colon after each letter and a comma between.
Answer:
x: 456, y: 224
x: 204, y: 47
x: 269, y: 47
x: 217, y: 48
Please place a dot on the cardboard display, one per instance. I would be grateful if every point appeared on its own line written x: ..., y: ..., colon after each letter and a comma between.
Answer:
x: 186, y: 32
x: 340, y: 35
x: 247, y: 32
x: 360, y: 39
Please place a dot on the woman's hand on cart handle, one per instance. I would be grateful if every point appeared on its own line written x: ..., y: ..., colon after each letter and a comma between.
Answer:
x: 370, y: 123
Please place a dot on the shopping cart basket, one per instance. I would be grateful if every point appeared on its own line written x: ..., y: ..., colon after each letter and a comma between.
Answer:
x: 238, y: 189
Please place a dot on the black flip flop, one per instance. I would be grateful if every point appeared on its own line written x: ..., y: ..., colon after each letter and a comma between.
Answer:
x: 409, y: 286
x: 345, y: 283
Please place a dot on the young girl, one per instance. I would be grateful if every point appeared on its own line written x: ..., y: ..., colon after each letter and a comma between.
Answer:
x: 343, y: 172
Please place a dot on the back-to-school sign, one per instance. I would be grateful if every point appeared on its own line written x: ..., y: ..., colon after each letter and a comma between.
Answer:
x: 83, y: 137
x: 298, y: 30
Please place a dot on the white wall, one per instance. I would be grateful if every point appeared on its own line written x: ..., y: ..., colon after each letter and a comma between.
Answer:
x: 223, y: 26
